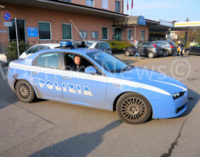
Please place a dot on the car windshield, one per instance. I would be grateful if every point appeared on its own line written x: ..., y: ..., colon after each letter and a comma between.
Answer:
x: 109, y: 62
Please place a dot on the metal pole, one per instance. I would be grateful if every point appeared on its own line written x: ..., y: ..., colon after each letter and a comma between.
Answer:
x: 17, y: 37
x: 135, y: 33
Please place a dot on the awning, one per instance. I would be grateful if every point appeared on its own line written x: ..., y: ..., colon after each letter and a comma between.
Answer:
x: 67, y: 7
x: 159, y: 26
x: 130, y: 21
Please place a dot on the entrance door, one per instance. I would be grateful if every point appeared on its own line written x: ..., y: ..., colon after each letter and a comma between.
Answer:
x: 20, y: 30
x: 118, y: 34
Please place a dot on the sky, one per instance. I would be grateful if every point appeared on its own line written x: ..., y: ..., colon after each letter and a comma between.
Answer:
x: 168, y: 10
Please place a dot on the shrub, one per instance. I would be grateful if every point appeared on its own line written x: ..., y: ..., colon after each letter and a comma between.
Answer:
x: 118, y: 46
x: 12, y: 50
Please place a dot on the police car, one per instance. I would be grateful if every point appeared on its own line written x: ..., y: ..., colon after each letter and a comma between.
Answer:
x: 103, y: 82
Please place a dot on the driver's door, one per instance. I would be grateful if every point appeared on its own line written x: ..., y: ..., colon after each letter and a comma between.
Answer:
x: 83, y: 89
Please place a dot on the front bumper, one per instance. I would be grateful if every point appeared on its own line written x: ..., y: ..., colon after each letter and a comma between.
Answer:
x: 170, y: 108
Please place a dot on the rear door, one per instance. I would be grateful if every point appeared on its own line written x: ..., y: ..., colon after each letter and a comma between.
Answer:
x: 46, y: 75
x: 194, y: 49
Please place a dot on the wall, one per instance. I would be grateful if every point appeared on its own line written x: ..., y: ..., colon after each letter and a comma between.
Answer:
x: 33, y: 15
x: 138, y: 33
x: 98, y: 4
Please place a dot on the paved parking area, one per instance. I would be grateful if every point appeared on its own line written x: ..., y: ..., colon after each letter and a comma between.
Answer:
x: 48, y: 128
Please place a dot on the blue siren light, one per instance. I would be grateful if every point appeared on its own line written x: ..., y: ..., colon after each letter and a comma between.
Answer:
x: 66, y: 43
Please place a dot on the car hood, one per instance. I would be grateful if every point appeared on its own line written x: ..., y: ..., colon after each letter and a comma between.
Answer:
x: 152, y: 79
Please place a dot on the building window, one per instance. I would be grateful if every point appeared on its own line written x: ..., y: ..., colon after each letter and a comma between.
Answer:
x: 66, y: 31
x: 105, y: 4
x: 83, y: 34
x: 90, y: 3
x: 95, y: 35
x: 117, y: 6
x: 44, y: 30
x: 130, y: 34
x: 104, y: 33
x: 142, y: 35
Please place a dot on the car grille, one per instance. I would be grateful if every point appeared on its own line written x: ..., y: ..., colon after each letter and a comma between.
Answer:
x: 180, y: 108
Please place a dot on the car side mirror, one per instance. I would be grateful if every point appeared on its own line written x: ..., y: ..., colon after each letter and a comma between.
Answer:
x: 90, y: 70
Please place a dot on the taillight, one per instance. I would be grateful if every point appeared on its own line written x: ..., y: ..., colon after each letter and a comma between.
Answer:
x: 154, y: 45
x: 172, y: 46
x: 8, y: 68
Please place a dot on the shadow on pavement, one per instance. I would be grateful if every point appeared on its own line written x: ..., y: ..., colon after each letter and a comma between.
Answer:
x: 193, y: 99
x: 77, y: 146
x: 7, y: 96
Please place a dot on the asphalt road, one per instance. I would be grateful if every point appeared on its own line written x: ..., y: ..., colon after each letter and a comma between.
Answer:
x: 48, y: 128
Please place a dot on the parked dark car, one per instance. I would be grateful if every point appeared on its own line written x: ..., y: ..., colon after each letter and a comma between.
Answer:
x: 147, y: 49
x: 130, y: 51
x: 169, y: 47
x: 193, y: 50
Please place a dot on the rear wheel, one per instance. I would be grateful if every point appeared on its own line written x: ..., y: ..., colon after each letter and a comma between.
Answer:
x: 133, y: 108
x: 127, y: 53
x: 24, y: 91
x: 187, y: 52
x: 151, y: 55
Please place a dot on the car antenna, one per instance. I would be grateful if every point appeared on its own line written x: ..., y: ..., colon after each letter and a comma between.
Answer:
x: 79, y: 32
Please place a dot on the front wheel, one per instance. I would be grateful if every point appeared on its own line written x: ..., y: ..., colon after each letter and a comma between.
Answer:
x: 24, y: 91
x: 133, y: 108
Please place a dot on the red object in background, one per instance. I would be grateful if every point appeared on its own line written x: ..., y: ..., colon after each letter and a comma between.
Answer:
x: 132, y: 4
x: 154, y: 45
x: 172, y: 46
x: 127, y: 5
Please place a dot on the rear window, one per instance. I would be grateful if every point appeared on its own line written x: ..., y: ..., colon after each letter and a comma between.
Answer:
x: 48, y: 60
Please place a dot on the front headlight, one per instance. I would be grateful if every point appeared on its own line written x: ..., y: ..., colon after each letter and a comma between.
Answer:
x: 178, y: 95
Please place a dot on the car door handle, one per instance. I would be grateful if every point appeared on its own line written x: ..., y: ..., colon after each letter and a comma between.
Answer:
x: 66, y: 78
x: 35, y: 72
x: 116, y: 85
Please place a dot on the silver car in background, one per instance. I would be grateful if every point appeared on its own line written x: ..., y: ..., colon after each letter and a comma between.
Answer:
x: 38, y: 47
x: 102, y: 45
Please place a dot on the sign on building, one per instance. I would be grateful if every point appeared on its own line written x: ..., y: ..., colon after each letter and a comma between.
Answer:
x: 6, y: 16
x: 7, y: 24
x: 32, y: 32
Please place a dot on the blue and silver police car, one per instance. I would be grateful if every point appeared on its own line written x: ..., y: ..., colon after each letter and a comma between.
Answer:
x: 93, y: 78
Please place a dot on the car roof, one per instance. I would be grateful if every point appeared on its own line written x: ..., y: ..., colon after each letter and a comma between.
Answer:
x: 162, y: 41
x: 81, y: 51
x: 51, y: 45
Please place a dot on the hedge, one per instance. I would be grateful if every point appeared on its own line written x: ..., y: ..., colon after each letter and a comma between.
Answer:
x: 118, y: 46
x: 12, y: 50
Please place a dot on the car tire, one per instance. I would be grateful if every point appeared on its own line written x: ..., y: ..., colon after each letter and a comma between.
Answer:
x: 187, y: 52
x: 24, y: 91
x: 133, y: 108
x: 150, y: 55
x: 127, y: 53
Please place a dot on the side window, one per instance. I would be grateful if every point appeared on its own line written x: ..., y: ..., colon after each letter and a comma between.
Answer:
x: 97, y: 46
x: 44, y: 48
x: 76, y: 63
x: 103, y: 46
x: 33, y: 49
x: 48, y: 60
